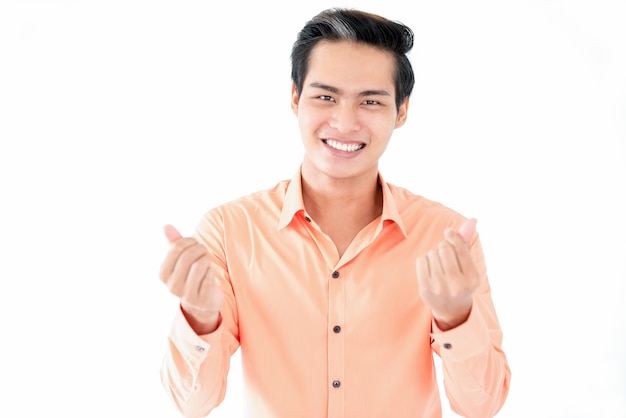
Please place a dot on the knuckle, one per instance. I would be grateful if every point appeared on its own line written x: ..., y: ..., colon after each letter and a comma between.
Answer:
x: 181, y: 244
x: 200, y: 266
x: 175, y: 287
x: 191, y: 254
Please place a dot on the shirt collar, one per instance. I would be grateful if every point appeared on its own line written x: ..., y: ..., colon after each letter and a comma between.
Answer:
x: 294, y: 203
x: 390, y: 206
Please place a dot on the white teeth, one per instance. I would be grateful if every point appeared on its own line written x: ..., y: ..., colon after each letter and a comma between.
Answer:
x: 343, y: 147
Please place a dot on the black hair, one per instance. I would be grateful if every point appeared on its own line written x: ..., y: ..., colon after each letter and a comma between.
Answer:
x: 338, y: 24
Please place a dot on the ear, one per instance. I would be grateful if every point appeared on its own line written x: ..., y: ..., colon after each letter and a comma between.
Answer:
x: 402, y: 113
x: 295, y: 99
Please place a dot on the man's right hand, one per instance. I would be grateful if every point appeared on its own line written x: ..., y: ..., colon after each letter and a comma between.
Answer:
x: 187, y: 273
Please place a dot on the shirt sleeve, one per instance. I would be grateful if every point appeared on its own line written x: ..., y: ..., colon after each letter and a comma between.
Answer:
x: 195, y: 367
x: 475, y: 368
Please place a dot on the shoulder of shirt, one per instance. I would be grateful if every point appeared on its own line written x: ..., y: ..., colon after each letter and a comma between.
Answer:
x: 405, y: 197
x: 417, y: 211
x: 254, y: 199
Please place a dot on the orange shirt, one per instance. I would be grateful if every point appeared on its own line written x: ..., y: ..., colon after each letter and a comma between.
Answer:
x: 328, y: 336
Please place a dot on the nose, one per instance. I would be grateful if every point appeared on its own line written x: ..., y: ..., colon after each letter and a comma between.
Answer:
x: 345, y: 118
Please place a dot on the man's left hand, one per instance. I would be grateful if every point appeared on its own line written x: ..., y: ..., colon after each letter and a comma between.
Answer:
x: 447, y: 277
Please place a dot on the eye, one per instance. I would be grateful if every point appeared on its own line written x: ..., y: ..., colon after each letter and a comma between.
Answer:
x: 326, y: 98
x: 371, y: 102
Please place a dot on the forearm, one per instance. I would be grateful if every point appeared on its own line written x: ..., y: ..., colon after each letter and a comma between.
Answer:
x: 478, y: 387
x: 476, y: 371
x: 194, y: 370
x: 207, y: 325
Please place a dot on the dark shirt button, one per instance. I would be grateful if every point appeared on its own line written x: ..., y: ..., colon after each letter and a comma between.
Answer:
x: 307, y: 219
x: 447, y: 346
x: 335, y: 274
x: 337, y: 329
x: 336, y: 383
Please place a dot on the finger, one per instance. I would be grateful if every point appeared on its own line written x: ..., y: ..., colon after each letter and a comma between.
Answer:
x: 437, y: 281
x: 203, y: 294
x: 468, y: 230
x: 461, y: 249
x: 208, y: 287
x: 198, y: 274
x: 171, y: 233
x: 172, y: 256
x: 465, y: 261
x: 185, y: 270
x: 187, y: 259
x: 423, y: 271
x: 449, y: 260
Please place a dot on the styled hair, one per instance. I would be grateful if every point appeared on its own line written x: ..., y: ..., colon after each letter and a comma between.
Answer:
x: 339, y: 24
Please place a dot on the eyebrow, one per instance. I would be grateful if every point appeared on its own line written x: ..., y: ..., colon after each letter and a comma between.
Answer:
x: 338, y: 91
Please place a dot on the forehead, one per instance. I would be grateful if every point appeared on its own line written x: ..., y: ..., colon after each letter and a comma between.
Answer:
x: 344, y: 64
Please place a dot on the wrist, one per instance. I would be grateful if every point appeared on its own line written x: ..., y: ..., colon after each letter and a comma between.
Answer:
x: 201, y: 323
x: 447, y: 322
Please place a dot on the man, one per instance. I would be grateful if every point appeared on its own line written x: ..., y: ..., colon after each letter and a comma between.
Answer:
x: 337, y: 286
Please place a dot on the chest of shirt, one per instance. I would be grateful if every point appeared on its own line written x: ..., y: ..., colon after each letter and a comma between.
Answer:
x: 295, y: 278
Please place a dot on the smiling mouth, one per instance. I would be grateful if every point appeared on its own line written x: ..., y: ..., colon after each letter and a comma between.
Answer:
x: 343, y: 147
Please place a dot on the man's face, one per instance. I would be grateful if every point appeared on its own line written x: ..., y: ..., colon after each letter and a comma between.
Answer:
x: 347, y: 109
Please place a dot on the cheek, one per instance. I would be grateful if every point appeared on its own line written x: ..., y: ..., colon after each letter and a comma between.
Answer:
x: 308, y: 120
x: 303, y: 122
x: 383, y: 125
x: 308, y: 128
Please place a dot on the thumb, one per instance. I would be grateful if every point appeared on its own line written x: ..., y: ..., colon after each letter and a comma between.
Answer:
x: 171, y: 233
x: 468, y: 230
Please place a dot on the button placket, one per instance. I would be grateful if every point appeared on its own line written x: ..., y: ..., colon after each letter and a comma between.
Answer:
x: 336, y: 341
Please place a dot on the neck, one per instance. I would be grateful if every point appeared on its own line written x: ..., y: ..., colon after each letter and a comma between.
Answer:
x: 342, y: 206
x: 324, y: 197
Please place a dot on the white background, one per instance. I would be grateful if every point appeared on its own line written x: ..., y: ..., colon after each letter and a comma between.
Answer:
x: 117, y: 117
